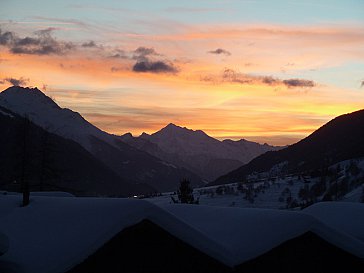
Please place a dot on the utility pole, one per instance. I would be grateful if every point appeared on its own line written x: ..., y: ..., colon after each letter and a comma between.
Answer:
x: 23, y: 176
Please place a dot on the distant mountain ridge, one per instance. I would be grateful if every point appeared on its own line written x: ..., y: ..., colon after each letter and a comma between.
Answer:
x: 129, y: 163
x: 196, y: 151
x: 338, y: 140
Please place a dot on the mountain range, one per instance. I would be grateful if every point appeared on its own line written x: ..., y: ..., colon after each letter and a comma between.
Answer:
x: 128, y: 163
x: 196, y: 151
x: 338, y: 140
x: 66, y: 152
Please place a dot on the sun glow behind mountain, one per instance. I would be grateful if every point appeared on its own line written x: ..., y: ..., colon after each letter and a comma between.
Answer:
x: 231, y: 68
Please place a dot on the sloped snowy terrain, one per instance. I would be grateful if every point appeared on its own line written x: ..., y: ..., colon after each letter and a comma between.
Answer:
x: 338, y: 140
x: 73, y: 228
x: 41, y: 193
x: 272, y: 196
x: 264, y: 190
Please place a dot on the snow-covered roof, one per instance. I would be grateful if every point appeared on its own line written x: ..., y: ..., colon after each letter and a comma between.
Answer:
x: 248, y: 232
x: 54, y: 234
x: 343, y: 216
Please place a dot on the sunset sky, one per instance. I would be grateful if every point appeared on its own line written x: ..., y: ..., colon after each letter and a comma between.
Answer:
x: 268, y: 71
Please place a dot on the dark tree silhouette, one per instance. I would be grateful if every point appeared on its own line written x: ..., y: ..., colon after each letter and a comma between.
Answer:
x: 185, y: 193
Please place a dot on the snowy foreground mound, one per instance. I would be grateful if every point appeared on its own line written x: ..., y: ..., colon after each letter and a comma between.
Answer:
x: 53, y: 234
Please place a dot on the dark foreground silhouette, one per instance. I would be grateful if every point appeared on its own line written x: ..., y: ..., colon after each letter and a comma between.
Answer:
x: 146, y: 247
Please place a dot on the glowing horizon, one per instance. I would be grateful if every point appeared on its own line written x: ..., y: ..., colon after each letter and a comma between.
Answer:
x: 211, y: 65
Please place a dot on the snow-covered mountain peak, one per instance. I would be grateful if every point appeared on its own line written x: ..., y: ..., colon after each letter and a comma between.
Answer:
x: 19, y: 89
x: 26, y: 96
x: 43, y: 111
x: 172, y: 131
x: 172, y: 128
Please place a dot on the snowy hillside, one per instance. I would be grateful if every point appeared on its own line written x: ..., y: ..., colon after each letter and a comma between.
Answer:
x: 266, y: 190
x: 338, y: 140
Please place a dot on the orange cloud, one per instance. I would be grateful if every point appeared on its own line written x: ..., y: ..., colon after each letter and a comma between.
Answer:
x: 111, y: 95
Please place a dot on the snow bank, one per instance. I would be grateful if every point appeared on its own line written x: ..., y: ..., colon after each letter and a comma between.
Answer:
x: 51, y: 193
x: 41, y: 193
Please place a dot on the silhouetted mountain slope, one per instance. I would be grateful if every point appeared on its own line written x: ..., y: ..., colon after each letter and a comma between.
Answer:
x: 52, y: 162
x: 131, y: 164
x: 196, y: 151
x: 338, y: 140
x: 140, y: 166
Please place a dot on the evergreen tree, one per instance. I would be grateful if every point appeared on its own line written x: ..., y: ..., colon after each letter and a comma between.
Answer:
x: 185, y: 193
